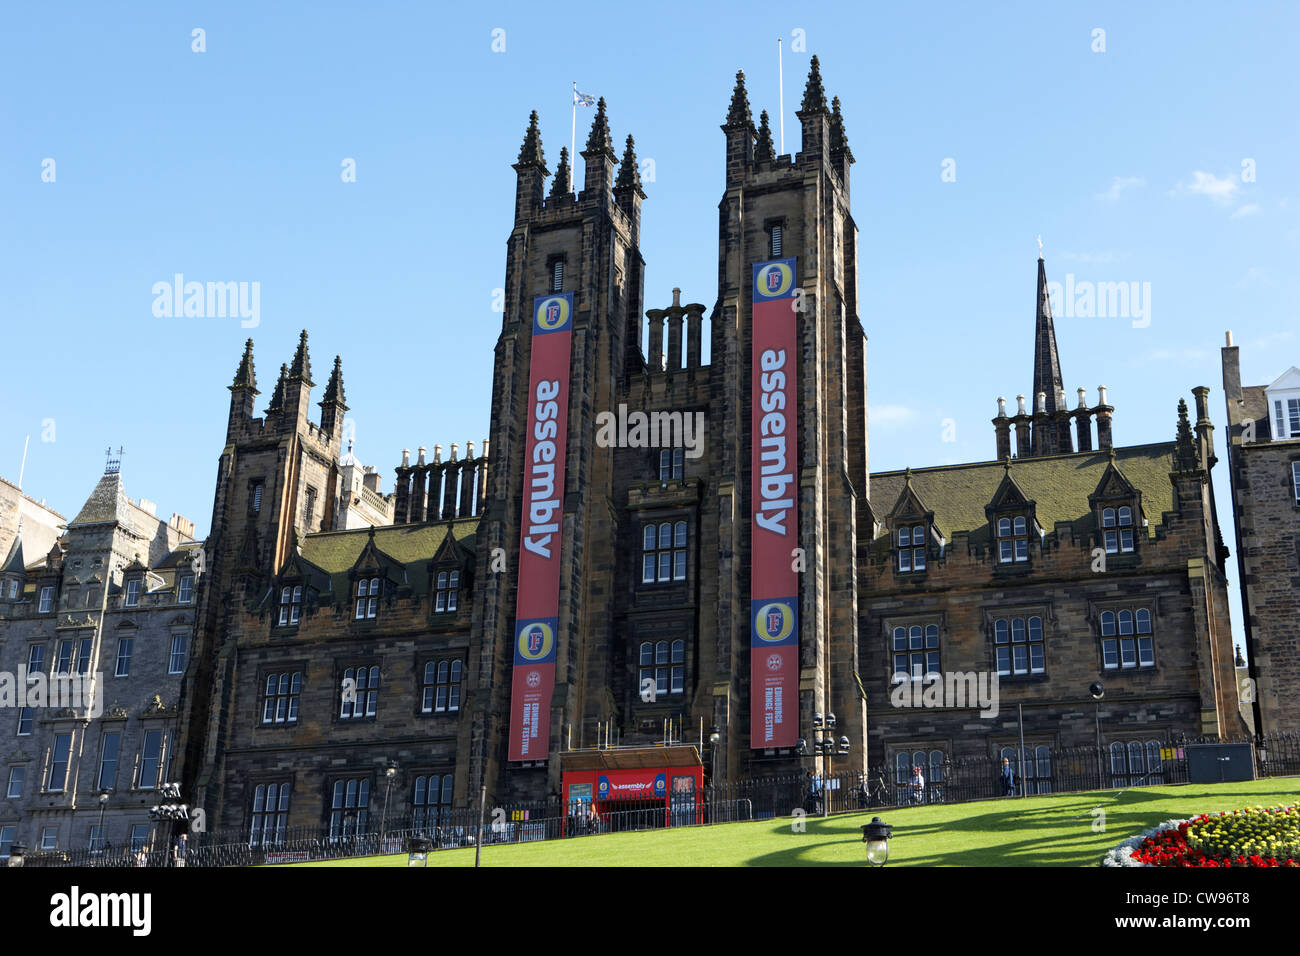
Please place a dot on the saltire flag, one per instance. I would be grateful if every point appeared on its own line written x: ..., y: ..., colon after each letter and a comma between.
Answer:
x: 582, y: 99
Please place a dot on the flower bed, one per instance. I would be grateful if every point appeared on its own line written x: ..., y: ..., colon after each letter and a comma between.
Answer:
x: 1253, y: 836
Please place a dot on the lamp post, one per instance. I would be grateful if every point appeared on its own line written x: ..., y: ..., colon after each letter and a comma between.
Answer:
x: 825, y: 744
x: 1098, y: 692
x: 715, y: 735
x: 876, y: 836
x: 16, y: 853
x: 103, y: 803
x: 389, y: 774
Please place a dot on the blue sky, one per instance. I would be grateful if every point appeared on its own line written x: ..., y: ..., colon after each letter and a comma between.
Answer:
x: 225, y: 166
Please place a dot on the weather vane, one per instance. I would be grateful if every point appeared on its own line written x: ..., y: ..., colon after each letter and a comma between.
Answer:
x: 112, y: 465
x: 1040, y: 245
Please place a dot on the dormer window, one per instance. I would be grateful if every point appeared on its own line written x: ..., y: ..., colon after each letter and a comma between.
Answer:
x: 1286, y: 417
x: 47, y: 600
x: 290, y: 605
x: 911, y: 548
x: 132, y: 593
x: 367, y: 598
x: 185, y: 592
x: 1117, y: 528
x: 448, y: 591
x: 1013, y: 539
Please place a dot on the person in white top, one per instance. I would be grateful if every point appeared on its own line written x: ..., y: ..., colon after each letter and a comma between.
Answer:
x: 917, y: 784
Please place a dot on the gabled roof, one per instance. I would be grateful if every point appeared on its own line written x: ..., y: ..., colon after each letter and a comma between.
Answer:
x: 1288, y: 379
x: 1113, y: 484
x: 1059, y: 486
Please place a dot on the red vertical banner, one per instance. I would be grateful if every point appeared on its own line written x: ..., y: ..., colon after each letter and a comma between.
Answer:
x: 774, y: 508
x: 537, y: 608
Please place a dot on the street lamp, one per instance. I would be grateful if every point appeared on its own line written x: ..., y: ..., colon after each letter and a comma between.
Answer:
x: 826, y: 746
x: 1098, y: 692
x: 103, y: 803
x: 16, y: 853
x: 876, y: 836
x: 389, y: 774
x: 417, y: 850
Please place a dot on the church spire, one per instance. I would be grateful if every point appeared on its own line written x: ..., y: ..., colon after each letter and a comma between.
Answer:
x: 629, y: 177
x: 814, y: 94
x: 300, y: 371
x: 277, y: 397
x: 530, y: 154
x: 738, y: 116
x: 599, y: 140
x: 763, y: 149
x: 1047, y: 364
x: 563, y: 183
x: 245, y: 377
x: 839, y: 140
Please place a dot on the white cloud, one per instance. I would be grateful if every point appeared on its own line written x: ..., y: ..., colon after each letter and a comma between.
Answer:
x: 1221, y: 191
x: 1249, y: 209
x: 1118, y: 185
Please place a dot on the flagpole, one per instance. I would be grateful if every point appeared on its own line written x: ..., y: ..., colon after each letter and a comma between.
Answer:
x: 780, y: 81
x: 573, y: 129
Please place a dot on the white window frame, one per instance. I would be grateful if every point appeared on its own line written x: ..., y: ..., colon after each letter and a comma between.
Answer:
x: 367, y: 600
x: 172, y: 666
x: 14, y: 787
x: 290, y: 605
x: 46, y: 599
x: 123, y: 666
x: 132, y: 598
x: 185, y: 590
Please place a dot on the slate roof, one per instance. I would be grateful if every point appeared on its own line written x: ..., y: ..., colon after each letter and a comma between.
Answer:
x: 335, y: 553
x: 106, y: 503
x: 1059, y: 486
x: 13, y: 563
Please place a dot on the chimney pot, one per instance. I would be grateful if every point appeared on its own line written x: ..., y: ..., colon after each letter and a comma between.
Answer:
x: 420, y: 461
x: 1020, y: 405
x: 406, y: 458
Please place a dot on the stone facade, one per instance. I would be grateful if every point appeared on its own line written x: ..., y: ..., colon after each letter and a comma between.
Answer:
x: 113, y: 600
x: 352, y: 654
x: 1264, y: 463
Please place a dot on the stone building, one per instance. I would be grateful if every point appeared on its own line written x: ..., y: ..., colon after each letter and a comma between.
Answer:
x: 1062, y: 562
x: 37, y: 523
x: 112, y: 600
x: 353, y: 667
x: 1264, y: 463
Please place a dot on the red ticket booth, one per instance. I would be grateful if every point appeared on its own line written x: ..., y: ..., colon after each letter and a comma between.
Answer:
x: 632, y: 788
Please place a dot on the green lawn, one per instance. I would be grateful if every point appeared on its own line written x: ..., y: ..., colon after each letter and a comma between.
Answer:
x: 1039, y: 831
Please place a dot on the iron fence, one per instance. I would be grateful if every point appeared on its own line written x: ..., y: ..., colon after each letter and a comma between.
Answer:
x: 1038, y: 770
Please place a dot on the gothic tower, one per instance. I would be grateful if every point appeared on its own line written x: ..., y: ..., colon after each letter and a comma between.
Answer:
x: 586, y: 247
x: 783, y: 207
x: 276, y: 480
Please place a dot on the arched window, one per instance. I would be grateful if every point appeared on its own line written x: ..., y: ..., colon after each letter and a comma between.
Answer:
x: 1118, y: 765
x: 1155, y: 766
x: 1107, y: 623
x: 1013, y: 540
x: 1125, y: 622
x: 1143, y: 621
x: 1043, y: 757
x: 1136, y: 765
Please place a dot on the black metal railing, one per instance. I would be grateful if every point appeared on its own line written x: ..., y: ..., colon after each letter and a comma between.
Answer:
x: 1038, y: 770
